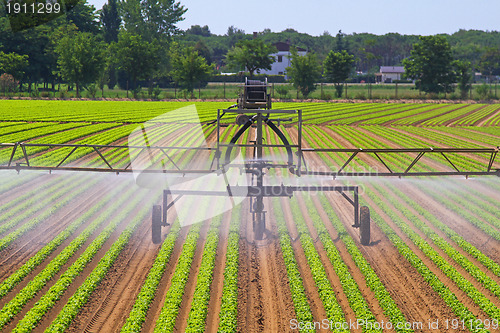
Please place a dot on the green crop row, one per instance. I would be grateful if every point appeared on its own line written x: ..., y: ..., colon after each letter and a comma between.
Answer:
x: 479, y: 275
x: 199, y: 304
x: 29, y: 205
x: 173, y: 298
x: 48, y: 300
x: 436, y: 284
x: 385, y: 300
x: 82, y: 294
x: 462, y: 110
x: 63, y: 198
x: 9, y: 283
x: 228, y: 313
x: 471, y: 119
x: 326, y: 293
x: 356, y: 300
x: 299, y: 297
x: 482, y: 301
x: 468, y: 212
x: 137, y: 316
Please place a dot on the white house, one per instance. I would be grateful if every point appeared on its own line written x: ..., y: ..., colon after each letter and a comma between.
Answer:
x: 282, y: 59
x: 388, y: 74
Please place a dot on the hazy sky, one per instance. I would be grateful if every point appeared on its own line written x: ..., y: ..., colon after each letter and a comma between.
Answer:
x: 422, y: 17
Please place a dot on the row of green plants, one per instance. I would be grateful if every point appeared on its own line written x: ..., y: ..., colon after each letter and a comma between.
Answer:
x: 228, y: 314
x: 60, y: 200
x: 199, y: 305
x: 145, y: 298
x: 40, y: 281
x: 465, y: 285
x: 32, y: 263
x: 472, y: 269
x: 83, y: 293
x: 434, y: 282
x: 483, y: 302
x: 25, y: 205
x: 356, y: 300
x: 479, y: 298
x: 387, y: 303
x: 143, y: 302
x: 345, y: 113
x: 299, y: 297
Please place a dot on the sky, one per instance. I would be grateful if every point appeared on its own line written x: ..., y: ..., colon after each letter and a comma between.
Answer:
x: 419, y: 17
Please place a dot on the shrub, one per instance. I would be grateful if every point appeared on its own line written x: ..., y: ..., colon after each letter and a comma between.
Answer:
x: 91, y: 90
x: 483, y: 91
x: 8, y: 84
x: 282, y: 91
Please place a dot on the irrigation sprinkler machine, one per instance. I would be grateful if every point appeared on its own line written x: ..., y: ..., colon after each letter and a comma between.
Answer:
x: 257, y: 174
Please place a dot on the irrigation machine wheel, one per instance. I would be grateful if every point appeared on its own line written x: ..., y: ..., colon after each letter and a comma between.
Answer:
x: 259, y: 225
x: 156, y: 225
x: 364, y: 228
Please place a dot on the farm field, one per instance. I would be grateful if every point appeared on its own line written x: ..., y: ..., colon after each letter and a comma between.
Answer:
x: 76, y: 251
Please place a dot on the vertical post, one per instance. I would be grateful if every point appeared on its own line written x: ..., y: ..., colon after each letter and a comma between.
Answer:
x: 199, y: 90
x: 165, y: 205
x: 299, y: 162
x: 321, y: 90
x: 396, y: 90
x: 224, y: 88
x: 356, y: 207
x: 217, y: 154
x: 345, y: 90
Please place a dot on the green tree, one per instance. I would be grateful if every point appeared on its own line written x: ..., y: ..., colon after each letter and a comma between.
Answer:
x: 251, y: 55
x: 110, y: 21
x: 337, y: 67
x: 463, y: 70
x: 304, y: 71
x: 189, y: 68
x: 13, y: 64
x: 80, y: 59
x: 135, y: 56
x: 490, y: 62
x: 431, y: 65
x: 152, y: 19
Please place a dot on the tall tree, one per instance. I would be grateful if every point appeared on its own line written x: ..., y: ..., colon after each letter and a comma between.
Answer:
x: 81, y: 59
x: 304, y: 71
x: 152, y: 19
x: 189, y: 68
x: 13, y: 64
x: 135, y: 56
x: 431, y: 65
x: 337, y: 67
x: 463, y: 70
x: 490, y: 62
x: 251, y: 55
x: 110, y: 21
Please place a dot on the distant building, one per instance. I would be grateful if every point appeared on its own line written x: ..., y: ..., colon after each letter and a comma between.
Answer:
x: 388, y: 74
x: 282, y: 59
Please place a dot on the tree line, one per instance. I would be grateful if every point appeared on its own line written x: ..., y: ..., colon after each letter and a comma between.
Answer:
x: 133, y: 42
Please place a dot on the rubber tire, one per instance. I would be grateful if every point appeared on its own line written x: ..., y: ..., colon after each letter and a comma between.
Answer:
x: 364, y: 225
x: 156, y: 225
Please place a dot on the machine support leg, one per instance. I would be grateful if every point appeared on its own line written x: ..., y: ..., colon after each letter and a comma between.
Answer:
x: 356, y: 208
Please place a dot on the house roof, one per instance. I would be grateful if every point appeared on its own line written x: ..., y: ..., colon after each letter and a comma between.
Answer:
x: 281, y: 46
x: 392, y: 69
